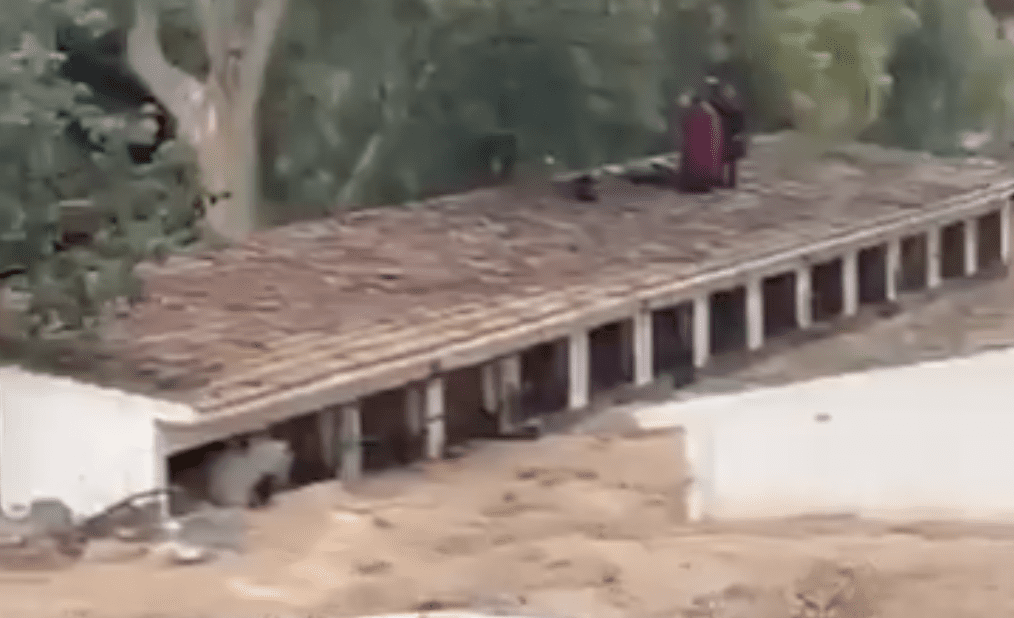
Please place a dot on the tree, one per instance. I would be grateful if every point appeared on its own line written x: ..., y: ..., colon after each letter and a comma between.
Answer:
x: 216, y: 111
x: 136, y: 212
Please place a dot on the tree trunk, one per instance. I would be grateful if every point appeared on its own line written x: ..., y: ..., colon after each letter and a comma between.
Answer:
x: 218, y: 117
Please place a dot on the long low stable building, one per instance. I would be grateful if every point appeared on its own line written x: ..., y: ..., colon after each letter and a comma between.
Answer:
x: 381, y: 336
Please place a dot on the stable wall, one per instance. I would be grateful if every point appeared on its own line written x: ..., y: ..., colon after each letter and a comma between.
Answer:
x: 928, y: 441
x: 84, y: 445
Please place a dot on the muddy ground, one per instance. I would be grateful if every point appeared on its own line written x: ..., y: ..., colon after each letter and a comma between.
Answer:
x: 575, y: 525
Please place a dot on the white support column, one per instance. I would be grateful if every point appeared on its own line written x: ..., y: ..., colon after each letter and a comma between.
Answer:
x: 436, y: 426
x: 415, y: 415
x: 510, y: 390
x: 850, y: 283
x: 971, y: 246
x: 627, y: 345
x: 1005, y: 231
x: 893, y: 266
x: 933, y: 278
x: 755, y: 314
x: 804, y: 298
x: 351, y: 443
x: 490, y: 387
x: 644, y: 353
x: 702, y: 330
x: 328, y: 426
x: 578, y: 373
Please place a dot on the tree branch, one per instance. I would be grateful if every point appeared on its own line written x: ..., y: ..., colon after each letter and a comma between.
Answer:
x: 267, y: 21
x: 170, y: 85
x: 215, y: 34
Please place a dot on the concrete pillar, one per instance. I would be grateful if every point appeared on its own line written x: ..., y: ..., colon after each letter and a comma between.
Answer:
x: 510, y: 391
x: 415, y: 415
x: 578, y: 372
x: 490, y: 387
x: 436, y: 426
x: 893, y: 265
x: 804, y: 298
x: 702, y: 330
x: 933, y: 278
x: 328, y: 427
x: 971, y: 246
x: 754, y: 314
x: 644, y: 353
x: 351, y: 443
x: 850, y: 283
x: 1005, y: 232
x: 627, y: 345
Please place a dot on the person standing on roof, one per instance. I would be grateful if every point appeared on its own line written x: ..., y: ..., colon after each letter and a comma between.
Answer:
x: 701, y: 162
x: 724, y: 99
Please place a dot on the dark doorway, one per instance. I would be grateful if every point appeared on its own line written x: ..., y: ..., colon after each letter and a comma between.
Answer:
x: 873, y: 275
x: 990, y: 226
x: 544, y: 379
x: 914, y: 258
x: 611, y: 357
x: 728, y: 320
x: 952, y: 251
x: 387, y: 442
x: 779, y: 304
x: 672, y: 330
x: 826, y: 279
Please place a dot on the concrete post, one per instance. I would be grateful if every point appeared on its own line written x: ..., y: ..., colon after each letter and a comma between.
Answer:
x: 510, y: 391
x: 971, y: 246
x: 328, y: 425
x: 626, y: 350
x: 578, y: 372
x: 490, y: 387
x: 436, y: 426
x: 351, y: 442
x: 933, y: 278
x: 755, y: 314
x: 644, y: 353
x: 893, y: 265
x: 415, y: 415
x: 850, y: 283
x: 702, y: 330
x: 1005, y: 231
x: 804, y: 298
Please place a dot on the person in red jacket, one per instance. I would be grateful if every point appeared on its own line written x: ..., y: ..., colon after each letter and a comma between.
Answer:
x: 701, y: 163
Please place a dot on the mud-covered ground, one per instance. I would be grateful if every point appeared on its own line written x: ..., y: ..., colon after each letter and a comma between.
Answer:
x: 576, y: 526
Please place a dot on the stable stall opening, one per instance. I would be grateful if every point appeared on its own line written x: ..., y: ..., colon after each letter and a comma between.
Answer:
x: 465, y: 412
x: 303, y: 435
x: 952, y: 251
x: 914, y: 258
x: 544, y: 379
x: 779, y: 304
x: 728, y: 320
x: 828, y: 298
x: 672, y: 343
x: 188, y: 471
x: 989, y: 232
x: 386, y: 437
x: 873, y: 275
x: 611, y: 355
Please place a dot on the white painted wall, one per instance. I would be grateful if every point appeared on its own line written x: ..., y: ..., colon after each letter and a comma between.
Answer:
x: 934, y: 440
x: 85, y: 445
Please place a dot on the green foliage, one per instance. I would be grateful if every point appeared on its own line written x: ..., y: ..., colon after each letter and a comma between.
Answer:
x: 136, y: 212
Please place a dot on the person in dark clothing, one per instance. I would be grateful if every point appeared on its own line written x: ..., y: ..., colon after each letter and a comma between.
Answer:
x: 724, y: 99
x: 701, y: 163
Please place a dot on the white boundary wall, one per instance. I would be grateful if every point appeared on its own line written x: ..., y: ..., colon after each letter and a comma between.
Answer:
x: 928, y: 441
x: 84, y: 445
